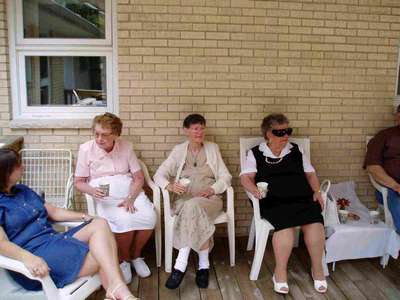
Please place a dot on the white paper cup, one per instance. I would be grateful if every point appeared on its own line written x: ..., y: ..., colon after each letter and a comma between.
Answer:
x: 374, y: 216
x: 343, y: 215
x: 184, y: 181
x: 263, y: 188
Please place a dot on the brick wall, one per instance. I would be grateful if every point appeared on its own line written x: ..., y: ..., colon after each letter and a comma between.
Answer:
x: 329, y: 65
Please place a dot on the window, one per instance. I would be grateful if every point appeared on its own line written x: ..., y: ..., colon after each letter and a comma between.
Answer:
x: 63, y: 58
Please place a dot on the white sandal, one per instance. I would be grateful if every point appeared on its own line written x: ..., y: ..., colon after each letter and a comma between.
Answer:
x: 321, y: 286
x: 118, y: 286
x: 278, y: 286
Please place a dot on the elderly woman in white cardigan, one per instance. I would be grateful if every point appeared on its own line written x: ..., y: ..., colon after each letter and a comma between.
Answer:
x: 195, y: 172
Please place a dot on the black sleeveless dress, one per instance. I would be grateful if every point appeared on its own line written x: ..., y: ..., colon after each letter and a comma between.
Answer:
x: 289, y: 201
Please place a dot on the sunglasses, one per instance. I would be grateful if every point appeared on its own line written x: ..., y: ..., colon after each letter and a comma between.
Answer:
x: 282, y: 132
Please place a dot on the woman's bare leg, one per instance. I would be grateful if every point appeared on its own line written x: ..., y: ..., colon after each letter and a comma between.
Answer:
x: 124, y: 244
x: 314, y: 237
x: 139, y: 241
x: 282, y: 242
x: 103, y: 251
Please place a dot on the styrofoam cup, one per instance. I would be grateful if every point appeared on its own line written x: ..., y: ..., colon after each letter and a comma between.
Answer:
x: 263, y: 188
x: 184, y: 181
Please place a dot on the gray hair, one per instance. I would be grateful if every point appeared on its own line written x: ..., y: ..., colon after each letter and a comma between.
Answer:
x: 272, y: 119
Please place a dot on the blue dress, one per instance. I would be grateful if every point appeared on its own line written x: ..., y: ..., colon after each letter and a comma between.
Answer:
x: 25, y: 221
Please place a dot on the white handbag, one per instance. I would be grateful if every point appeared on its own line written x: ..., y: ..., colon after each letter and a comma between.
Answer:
x: 330, y: 212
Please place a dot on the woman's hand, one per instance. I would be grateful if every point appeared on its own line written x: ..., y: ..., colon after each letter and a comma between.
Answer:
x: 256, y: 193
x: 36, y: 265
x: 206, y: 193
x: 97, y: 193
x: 129, y: 205
x: 176, y: 188
x: 318, y: 197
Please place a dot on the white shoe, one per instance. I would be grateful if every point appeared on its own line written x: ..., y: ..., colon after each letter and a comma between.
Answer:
x: 321, y: 286
x: 280, y: 287
x: 126, y: 271
x: 142, y: 270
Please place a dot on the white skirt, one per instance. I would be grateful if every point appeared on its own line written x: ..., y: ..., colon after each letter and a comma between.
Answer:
x: 118, y: 218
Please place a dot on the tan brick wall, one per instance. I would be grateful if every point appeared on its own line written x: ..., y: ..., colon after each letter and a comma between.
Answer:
x: 330, y: 65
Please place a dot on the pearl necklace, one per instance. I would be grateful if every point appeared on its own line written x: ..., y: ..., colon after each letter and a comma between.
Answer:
x: 273, y: 162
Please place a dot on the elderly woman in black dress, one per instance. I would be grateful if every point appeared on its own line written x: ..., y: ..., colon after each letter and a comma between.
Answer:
x: 293, y: 198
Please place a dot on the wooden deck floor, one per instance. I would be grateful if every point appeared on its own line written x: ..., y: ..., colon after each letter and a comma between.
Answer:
x: 357, y: 279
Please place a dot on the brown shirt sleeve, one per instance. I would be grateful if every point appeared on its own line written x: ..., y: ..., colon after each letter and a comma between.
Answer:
x: 375, y: 148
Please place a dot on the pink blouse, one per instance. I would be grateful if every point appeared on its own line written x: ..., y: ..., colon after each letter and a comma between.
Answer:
x: 94, y: 162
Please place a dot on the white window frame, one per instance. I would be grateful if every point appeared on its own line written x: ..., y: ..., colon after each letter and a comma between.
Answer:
x: 20, y: 47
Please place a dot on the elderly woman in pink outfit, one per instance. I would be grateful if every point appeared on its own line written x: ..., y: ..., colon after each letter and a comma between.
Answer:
x: 110, y: 160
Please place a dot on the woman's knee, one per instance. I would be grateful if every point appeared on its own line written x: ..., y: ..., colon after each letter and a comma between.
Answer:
x: 100, y: 224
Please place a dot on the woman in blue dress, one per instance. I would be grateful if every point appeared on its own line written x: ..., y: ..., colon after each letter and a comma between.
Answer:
x: 26, y: 220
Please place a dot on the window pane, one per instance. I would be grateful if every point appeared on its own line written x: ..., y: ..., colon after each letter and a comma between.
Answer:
x: 66, y: 80
x: 64, y: 19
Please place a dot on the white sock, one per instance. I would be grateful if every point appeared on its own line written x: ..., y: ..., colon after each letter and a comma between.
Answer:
x: 182, y: 259
x: 204, y: 263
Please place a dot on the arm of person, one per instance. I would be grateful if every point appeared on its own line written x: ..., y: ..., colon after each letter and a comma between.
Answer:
x: 379, y: 174
x: 223, y: 180
x: 315, y: 186
x: 165, y: 172
x: 58, y: 214
x: 83, y: 186
x: 248, y: 182
x: 35, y: 264
x: 135, y: 189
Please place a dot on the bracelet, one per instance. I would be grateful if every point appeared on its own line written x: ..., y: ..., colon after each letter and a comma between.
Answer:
x: 83, y: 217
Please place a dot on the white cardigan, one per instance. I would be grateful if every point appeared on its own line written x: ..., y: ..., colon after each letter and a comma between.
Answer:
x: 173, y: 165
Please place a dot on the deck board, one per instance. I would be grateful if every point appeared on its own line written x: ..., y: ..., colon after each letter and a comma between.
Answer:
x: 362, y: 279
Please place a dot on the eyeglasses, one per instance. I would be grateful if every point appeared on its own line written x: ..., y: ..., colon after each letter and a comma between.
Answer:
x: 282, y: 132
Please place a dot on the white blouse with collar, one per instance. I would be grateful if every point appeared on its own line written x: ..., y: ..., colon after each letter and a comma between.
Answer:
x: 250, y: 165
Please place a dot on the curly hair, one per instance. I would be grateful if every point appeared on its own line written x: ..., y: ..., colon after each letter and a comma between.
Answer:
x: 109, y: 120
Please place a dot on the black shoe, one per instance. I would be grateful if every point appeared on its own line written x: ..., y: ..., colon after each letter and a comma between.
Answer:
x: 175, y: 279
x: 202, y: 278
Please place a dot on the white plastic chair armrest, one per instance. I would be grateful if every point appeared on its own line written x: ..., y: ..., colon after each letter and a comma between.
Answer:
x: 69, y: 192
x: 256, y: 206
x: 167, y: 204
x: 229, y: 201
x: 380, y: 188
x: 91, y: 206
x: 384, y: 191
x: 14, y: 265
x: 70, y: 224
x: 156, y: 194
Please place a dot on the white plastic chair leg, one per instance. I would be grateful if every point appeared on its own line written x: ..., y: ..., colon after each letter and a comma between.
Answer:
x: 158, y: 244
x: 333, y: 266
x: 261, y: 243
x: 252, y: 235
x: 231, y: 237
x: 168, y: 247
x: 325, y: 265
x: 384, y: 260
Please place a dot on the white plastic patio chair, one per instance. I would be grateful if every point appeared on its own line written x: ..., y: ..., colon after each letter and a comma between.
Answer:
x: 10, y: 290
x: 91, y: 206
x: 49, y: 171
x: 384, y: 191
x: 227, y: 216
x: 260, y: 228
